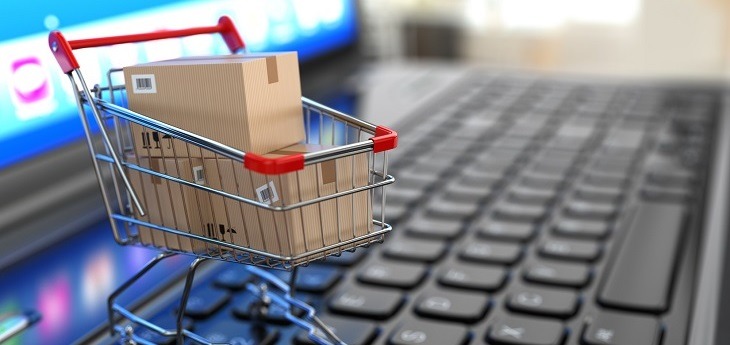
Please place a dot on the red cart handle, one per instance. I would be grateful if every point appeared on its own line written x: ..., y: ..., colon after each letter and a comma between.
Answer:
x: 63, y: 49
x: 384, y: 139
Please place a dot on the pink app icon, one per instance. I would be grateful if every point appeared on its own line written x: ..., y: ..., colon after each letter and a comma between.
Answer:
x: 31, y: 88
x: 31, y: 84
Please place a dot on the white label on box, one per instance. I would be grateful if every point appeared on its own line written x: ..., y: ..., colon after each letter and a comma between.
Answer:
x: 267, y: 193
x: 144, y: 83
x: 198, y: 175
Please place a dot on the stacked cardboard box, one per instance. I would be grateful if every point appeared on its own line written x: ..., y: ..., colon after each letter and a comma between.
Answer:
x: 252, y: 103
x: 171, y: 204
x: 249, y: 102
x: 299, y: 230
x: 286, y: 233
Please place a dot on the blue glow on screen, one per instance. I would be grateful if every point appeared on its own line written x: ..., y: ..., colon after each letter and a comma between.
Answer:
x: 69, y: 282
x: 37, y: 110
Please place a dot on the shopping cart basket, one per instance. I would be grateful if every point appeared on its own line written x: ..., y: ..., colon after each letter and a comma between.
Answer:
x: 357, y: 152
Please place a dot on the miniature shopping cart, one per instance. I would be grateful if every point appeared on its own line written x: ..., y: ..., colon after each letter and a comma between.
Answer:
x: 357, y: 151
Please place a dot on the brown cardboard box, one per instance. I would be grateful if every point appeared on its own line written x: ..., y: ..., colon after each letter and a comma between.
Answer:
x: 250, y: 102
x: 171, y: 204
x: 296, y: 231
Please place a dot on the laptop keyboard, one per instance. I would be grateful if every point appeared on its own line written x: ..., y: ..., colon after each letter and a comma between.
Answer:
x: 526, y: 212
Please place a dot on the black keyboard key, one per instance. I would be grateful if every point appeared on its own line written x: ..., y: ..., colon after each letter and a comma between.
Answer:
x: 393, y: 274
x: 473, y: 194
x: 543, y: 301
x: 397, y: 195
x: 678, y: 195
x: 346, y: 259
x: 515, y: 330
x: 463, y: 306
x: 483, y: 175
x: 550, y: 169
x: 641, y: 276
x: 561, y: 157
x: 508, y: 231
x: 520, y: 212
x: 317, y: 279
x: 524, y: 131
x: 619, y: 168
x: 417, y: 332
x: 233, y: 278
x: 591, y: 209
x: 203, y: 302
x: 440, y: 207
x: 415, y: 180
x: 624, y: 139
x: 424, y: 226
x: 453, y: 145
x: 472, y: 276
x: 369, y: 303
x: 392, y: 212
x: 415, y: 250
x: 352, y: 332
x: 579, y: 250
x: 581, y: 228
x: 527, y: 195
x: 491, y: 252
x: 599, y: 194
x: 557, y: 273
x: 538, y: 182
x: 234, y: 332
x: 430, y: 167
x: 613, y: 328
x: 605, y: 181
x: 512, y: 143
x: 480, y: 183
x: 566, y: 144
x: 678, y: 178
x: 497, y: 157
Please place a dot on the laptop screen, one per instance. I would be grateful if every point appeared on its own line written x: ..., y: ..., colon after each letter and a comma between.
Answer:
x: 38, y: 114
x: 37, y: 110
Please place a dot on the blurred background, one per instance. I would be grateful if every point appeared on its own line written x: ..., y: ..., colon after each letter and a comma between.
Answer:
x: 49, y: 198
x: 654, y: 38
x: 687, y: 39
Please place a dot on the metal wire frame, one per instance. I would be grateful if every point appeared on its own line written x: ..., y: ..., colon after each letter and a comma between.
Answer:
x: 121, y: 215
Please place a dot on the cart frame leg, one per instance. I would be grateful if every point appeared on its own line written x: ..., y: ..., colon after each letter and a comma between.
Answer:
x: 121, y: 289
x: 184, y: 299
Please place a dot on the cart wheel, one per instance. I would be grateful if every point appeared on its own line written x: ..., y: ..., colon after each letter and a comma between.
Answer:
x: 260, y: 308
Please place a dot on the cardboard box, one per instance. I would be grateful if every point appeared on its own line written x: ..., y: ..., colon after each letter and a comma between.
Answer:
x: 171, y: 204
x: 250, y: 102
x: 296, y: 231
x: 287, y: 233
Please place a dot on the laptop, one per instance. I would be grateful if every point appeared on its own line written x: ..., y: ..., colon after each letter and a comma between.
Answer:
x: 528, y: 209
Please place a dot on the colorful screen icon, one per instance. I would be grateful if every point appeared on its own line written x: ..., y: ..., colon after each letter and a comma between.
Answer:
x: 31, y: 88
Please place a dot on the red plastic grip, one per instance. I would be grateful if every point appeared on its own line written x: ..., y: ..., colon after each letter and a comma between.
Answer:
x: 273, y: 166
x: 230, y: 34
x: 384, y: 139
x: 63, y: 49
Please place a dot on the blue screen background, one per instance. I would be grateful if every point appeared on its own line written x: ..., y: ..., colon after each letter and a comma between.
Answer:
x: 37, y: 109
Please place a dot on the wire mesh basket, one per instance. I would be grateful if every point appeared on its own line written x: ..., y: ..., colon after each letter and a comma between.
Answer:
x: 167, y: 188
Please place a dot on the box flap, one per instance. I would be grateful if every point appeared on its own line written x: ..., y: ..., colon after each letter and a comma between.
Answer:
x: 214, y: 59
x: 297, y: 149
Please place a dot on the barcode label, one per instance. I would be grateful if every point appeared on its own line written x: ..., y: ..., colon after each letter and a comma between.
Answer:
x: 198, y: 175
x: 267, y: 193
x: 144, y: 83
